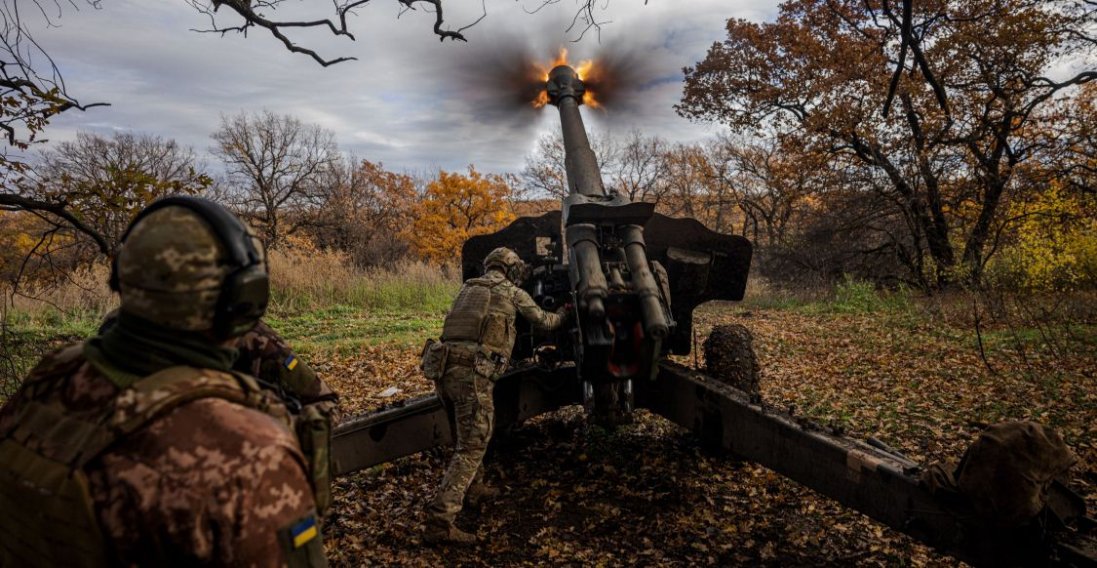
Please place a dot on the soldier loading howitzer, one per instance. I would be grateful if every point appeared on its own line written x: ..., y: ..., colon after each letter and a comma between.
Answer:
x: 636, y: 277
x: 477, y: 337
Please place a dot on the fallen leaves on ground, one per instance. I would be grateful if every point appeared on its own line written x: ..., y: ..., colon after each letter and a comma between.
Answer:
x: 648, y: 494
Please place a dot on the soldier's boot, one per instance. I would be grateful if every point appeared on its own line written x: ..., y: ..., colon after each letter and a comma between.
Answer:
x: 481, y: 493
x: 441, y: 532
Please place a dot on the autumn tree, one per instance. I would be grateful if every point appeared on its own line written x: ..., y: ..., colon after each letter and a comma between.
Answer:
x: 108, y: 180
x: 1069, y: 153
x: 457, y: 206
x: 769, y: 180
x: 31, y: 88
x: 1055, y: 247
x: 84, y: 192
x: 545, y: 174
x: 275, y: 166
x: 639, y: 170
x: 694, y: 186
x: 822, y: 72
x: 366, y: 211
x: 103, y: 182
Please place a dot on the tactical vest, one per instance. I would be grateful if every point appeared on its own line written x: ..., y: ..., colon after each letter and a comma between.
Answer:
x: 480, y: 314
x: 50, y: 519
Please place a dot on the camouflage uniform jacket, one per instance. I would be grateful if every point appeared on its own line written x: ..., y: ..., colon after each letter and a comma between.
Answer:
x: 211, y: 482
x: 507, y: 300
x: 265, y: 355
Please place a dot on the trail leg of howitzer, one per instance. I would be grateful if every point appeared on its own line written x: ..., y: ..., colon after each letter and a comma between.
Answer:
x: 874, y: 481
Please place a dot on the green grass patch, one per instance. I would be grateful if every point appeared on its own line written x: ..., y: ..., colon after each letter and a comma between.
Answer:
x: 861, y: 297
x: 1062, y: 338
x: 850, y: 296
x: 390, y: 296
x: 30, y: 336
x: 344, y: 329
x: 50, y: 324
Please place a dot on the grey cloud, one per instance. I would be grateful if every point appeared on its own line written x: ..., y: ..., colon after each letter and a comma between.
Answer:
x: 409, y: 101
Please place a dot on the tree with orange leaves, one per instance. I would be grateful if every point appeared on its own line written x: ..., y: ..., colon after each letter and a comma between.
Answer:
x: 946, y: 159
x: 457, y: 206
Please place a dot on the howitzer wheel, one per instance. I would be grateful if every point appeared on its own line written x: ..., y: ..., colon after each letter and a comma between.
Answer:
x: 730, y: 359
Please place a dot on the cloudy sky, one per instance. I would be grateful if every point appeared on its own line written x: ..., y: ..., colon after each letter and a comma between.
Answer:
x: 409, y: 101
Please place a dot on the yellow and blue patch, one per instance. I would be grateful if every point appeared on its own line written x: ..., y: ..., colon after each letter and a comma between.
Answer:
x: 290, y: 362
x: 304, y: 531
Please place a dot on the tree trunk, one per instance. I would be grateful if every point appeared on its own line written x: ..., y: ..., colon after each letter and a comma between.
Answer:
x: 977, y: 240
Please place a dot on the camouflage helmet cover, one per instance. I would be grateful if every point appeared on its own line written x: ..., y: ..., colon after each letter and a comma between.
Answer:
x: 508, y: 261
x: 171, y: 268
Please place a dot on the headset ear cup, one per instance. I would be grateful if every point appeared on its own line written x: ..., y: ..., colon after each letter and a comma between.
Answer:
x: 243, y: 301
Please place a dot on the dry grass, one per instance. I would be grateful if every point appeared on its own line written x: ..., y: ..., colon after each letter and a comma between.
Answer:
x: 84, y: 291
x: 300, y: 282
x: 319, y: 280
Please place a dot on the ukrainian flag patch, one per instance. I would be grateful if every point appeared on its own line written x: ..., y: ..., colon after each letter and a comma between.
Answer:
x: 303, y: 531
x: 290, y: 362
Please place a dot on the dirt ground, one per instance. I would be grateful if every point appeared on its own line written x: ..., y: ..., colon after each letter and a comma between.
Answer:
x: 647, y: 494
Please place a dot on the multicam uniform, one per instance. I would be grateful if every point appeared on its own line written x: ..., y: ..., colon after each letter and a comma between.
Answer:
x: 265, y: 355
x: 471, y: 368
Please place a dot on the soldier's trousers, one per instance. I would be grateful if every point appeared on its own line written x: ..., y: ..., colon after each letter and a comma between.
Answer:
x: 467, y: 396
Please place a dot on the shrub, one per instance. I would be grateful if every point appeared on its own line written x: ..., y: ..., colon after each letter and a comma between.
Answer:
x: 859, y: 296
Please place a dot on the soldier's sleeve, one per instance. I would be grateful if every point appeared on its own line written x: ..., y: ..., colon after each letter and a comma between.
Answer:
x: 212, y: 483
x: 266, y: 356
x: 533, y: 313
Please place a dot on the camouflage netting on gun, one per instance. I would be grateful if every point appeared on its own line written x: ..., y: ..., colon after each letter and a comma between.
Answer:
x: 729, y: 357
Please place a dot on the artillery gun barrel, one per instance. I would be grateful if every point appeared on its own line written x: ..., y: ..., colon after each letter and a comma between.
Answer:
x: 643, y: 282
x: 565, y: 91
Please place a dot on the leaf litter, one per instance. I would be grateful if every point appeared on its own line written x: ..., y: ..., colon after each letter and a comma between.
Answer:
x: 648, y: 493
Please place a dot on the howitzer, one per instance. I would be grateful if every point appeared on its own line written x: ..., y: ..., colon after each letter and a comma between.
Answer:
x: 635, y: 275
x: 635, y: 278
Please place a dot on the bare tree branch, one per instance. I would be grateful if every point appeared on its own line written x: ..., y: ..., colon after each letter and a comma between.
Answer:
x: 31, y: 86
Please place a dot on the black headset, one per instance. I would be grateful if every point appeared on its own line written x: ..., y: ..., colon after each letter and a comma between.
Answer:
x: 246, y: 290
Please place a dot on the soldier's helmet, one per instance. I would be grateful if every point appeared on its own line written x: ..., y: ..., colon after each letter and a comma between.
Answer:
x: 189, y: 264
x: 508, y: 261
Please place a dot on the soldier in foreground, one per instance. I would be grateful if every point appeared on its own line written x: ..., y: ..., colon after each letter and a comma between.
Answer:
x: 477, y: 339
x: 139, y: 446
